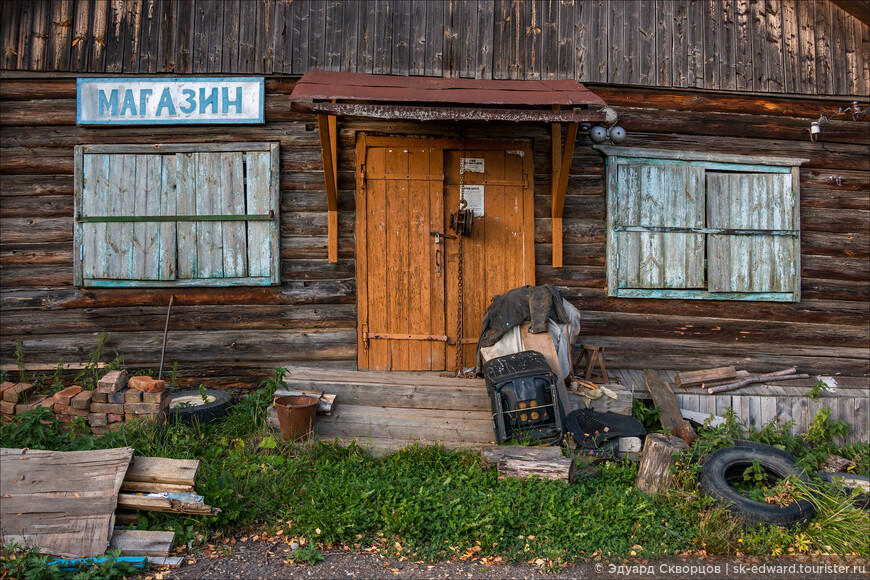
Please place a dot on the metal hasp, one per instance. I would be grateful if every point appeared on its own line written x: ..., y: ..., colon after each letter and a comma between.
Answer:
x: 329, y: 94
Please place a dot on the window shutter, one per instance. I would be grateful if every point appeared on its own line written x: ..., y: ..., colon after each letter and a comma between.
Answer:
x: 127, y: 186
x: 659, y: 197
x: 751, y: 263
x: 259, y: 235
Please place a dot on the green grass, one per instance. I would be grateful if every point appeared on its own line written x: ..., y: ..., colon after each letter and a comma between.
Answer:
x: 430, y: 503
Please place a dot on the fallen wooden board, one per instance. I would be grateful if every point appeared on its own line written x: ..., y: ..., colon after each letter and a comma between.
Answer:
x: 164, y: 562
x: 492, y: 454
x: 164, y: 504
x: 163, y: 470
x: 150, y: 487
x: 669, y: 410
x: 143, y: 542
x: 697, y: 417
x: 695, y: 378
x: 63, y: 502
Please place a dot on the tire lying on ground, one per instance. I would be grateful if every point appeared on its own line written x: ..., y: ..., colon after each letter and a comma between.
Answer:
x: 770, y: 448
x: 726, y: 465
x: 190, y: 405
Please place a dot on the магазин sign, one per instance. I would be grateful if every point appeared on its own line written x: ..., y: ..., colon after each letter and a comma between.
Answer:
x: 169, y: 101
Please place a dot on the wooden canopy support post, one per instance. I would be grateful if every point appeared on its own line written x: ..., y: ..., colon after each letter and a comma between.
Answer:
x: 561, y: 165
x: 329, y: 147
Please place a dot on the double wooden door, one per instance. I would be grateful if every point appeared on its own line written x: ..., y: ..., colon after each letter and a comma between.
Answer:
x: 408, y: 273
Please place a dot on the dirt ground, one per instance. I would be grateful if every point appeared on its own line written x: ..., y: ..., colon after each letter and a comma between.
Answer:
x: 255, y: 559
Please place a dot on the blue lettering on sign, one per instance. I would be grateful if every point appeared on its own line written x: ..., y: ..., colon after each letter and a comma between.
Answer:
x: 165, y: 103
x: 206, y: 101
x: 111, y: 103
x: 129, y: 103
x: 143, y: 100
x: 226, y: 102
x: 191, y: 98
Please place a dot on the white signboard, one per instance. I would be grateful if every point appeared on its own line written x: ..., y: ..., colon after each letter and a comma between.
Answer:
x: 473, y: 194
x: 472, y: 164
x: 169, y: 101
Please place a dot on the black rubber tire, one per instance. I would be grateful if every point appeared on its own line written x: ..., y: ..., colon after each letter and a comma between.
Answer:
x: 720, y: 466
x: 862, y: 499
x: 769, y: 448
x: 204, y: 414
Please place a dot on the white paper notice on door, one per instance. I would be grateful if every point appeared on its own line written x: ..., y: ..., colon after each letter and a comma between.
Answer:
x: 473, y: 164
x: 473, y: 194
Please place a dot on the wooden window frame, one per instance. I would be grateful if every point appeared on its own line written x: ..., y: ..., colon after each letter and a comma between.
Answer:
x: 617, y: 156
x: 272, y: 217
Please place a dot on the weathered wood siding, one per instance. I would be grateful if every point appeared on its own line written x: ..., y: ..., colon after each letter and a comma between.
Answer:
x: 225, y: 334
x: 776, y: 46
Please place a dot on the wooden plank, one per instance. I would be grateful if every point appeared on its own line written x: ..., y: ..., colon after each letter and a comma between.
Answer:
x: 368, y: 31
x: 397, y: 256
x: 209, y: 235
x: 362, y: 250
x: 59, y: 35
x: 616, y: 27
x: 142, y: 542
x: 807, y: 38
x: 151, y: 487
x: 695, y: 28
x: 258, y: 201
x: 485, y: 44
x: 466, y: 28
x: 25, y: 35
x: 119, y: 236
x: 162, y: 470
x: 185, y: 173
x: 790, y: 46
x: 500, y: 39
x: 316, y: 29
x: 726, y: 46
x: 670, y: 415
x: 149, y: 34
x: 774, y: 46
x: 743, y: 55
x: 351, y: 27
x: 163, y: 504
x: 233, y: 202
x: 9, y: 31
x: 758, y: 42
x: 822, y: 27
x: 146, y: 202
x: 62, y: 502
x: 695, y: 378
x: 231, y: 48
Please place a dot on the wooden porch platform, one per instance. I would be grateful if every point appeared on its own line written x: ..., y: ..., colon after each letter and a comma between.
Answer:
x: 386, y: 411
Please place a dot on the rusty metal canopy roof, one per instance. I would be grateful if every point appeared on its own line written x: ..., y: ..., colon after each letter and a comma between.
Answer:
x: 428, y: 98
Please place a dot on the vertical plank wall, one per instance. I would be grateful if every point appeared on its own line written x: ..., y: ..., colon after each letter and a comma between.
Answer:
x: 235, y: 336
x: 776, y: 46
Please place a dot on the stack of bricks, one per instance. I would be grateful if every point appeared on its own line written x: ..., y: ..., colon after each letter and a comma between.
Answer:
x: 119, y: 398
x: 116, y: 399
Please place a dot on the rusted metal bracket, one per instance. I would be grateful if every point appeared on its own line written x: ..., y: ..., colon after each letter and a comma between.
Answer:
x: 329, y: 146
x: 560, y: 162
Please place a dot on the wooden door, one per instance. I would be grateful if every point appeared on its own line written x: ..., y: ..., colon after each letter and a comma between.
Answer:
x: 400, y: 273
x: 499, y: 254
x: 407, y: 278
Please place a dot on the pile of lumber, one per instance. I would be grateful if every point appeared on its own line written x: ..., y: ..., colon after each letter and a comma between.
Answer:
x: 158, y: 484
x: 722, y: 379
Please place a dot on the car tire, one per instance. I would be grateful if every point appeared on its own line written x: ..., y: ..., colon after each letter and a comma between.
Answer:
x: 201, y: 412
x: 768, y: 448
x: 726, y: 465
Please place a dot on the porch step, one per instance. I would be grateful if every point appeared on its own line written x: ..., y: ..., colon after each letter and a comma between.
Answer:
x: 387, y: 411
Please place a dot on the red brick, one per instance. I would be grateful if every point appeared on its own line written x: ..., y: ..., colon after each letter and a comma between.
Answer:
x: 6, y: 385
x: 108, y: 428
x: 157, y: 397
x: 112, y: 382
x: 97, y: 419
x: 133, y: 396
x: 7, y: 407
x: 143, y: 408
x: 114, y: 408
x: 82, y: 400
x: 100, y: 397
x: 115, y: 418
x: 63, y: 397
x: 146, y: 384
x: 30, y: 404
x: 68, y: 410
x: 18, y: 392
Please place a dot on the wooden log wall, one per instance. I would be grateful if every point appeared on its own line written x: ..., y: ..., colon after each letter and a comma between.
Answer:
x: 234, y: 336
x: 776, y: 46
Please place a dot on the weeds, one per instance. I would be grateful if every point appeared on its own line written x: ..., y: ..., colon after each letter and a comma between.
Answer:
x: 27, y: 563
x: 305, y: 555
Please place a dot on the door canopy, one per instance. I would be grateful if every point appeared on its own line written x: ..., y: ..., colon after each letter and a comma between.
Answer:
x: 332, y: 94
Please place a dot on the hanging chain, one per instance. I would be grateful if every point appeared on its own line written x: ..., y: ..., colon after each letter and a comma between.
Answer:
x: 459, y: 329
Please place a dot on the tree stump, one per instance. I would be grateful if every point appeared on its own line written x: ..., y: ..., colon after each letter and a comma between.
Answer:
x: 654, y: 472
x: 561, y: 468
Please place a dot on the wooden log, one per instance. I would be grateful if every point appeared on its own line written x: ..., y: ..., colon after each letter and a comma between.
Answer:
x: 561, y: 469
x: 164, y: 504
x: 492, y: 454
x: 755, y: 379
x: 654, y: 471
x: 695, y: 378
x: 670, y: 415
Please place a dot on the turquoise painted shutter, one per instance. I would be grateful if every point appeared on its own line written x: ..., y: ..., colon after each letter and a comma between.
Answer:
x: 660, y: 196
x: 751, y: 263
x: 135, y: 186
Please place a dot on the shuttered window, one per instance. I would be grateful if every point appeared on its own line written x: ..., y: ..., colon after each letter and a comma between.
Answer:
x: 177, y: 215
x: 692, y: 225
